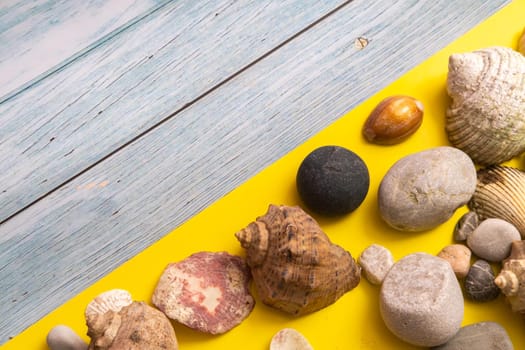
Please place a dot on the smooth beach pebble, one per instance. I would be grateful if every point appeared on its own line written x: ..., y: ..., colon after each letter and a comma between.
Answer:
x: 332, y: 181
x: 458, y: 256
x: 421, y: 301
x: 422, y: 190
x: 64, y: 338
x: 376, y: 261
x: 465, y: 226
x: 479, y: 336
x: 492, y: 239
x: 479, y: 283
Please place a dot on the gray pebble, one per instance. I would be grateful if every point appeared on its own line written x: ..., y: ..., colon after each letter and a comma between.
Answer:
x: 421, y: 301
x: 465, y: 226
x: 376, y: 261
x: 492, y: 239
x: 479, y: 283
x: 422, y: 190
x: 64, y: 338
x: 479, y: 336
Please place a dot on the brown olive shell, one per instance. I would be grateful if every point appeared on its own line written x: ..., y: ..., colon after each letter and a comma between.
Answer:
x: 393, y: 120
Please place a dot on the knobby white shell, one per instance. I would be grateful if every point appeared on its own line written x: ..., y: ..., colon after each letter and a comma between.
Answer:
x: 112, y: 300
x: 487, y: 116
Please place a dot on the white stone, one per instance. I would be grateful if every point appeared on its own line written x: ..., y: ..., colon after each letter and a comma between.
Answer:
x: 376, y: 261
x: 421, y: 301
x: 492, y: 239
x: 64, y: 338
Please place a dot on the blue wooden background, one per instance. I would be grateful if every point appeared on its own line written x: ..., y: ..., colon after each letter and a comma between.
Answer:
x: 121, y: 119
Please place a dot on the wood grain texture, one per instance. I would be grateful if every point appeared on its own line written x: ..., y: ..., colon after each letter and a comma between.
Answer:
x: 108, y: 214
x: 87, y: 110
x: 40, y: 37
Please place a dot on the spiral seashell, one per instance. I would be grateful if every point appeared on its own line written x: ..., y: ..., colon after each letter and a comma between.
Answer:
x: 500, y: 193
x: 511, y: 279
x: 508, y: 282
x: 294, y: 265
x: 136, y: 326
x: 487, y: 116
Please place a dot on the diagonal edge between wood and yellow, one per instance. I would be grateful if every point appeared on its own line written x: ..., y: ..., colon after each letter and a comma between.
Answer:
x: 354, y: 320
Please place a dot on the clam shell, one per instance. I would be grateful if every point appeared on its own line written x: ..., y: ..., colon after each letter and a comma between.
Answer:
x: 294, y: 265
x: 500, y: 193
x: 487, y: 116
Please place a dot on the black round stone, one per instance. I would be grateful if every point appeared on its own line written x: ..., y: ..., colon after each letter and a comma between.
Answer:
x: 332, y: 181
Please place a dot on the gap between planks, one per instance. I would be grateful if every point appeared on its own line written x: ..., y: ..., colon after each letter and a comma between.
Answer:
x: 167, y: 118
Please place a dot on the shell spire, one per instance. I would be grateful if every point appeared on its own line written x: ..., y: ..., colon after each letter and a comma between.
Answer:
x: 511, y: 279
x: 486, y: 119
x: 294, y: 265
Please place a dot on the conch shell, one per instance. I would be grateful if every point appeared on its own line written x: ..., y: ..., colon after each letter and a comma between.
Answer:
x: 137, y: 326
x: 487, y: 117
x: 511, y: 279
x: 294, y: 265
x: 500, y: 193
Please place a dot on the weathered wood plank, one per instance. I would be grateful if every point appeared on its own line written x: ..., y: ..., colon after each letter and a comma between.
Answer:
x: 105, y: 216
x: 87, y: 110
x: 39, y: 37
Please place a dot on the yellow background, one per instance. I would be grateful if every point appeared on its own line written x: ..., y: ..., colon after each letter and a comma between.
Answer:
x: 353, y: 322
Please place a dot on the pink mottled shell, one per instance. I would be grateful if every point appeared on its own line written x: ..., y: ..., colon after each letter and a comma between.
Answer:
x: 294, y: 265
x: 208, y: 291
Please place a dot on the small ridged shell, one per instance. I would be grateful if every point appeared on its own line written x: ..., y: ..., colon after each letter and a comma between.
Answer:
x: 111, y: 300
x: 500, y: 193
x: 487, y: 116
x: 294, y: 265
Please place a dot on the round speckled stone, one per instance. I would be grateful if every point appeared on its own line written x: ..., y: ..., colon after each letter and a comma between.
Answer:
x: 332, y: 181
x: 479, y: 336
x: 492, y: 239
x: 479, y: 283
x: 421, y: 301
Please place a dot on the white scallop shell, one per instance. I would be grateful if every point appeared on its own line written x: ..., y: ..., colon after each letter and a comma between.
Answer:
x: 112, y: 300
x: 289, y: 339
x: 487, y: 116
